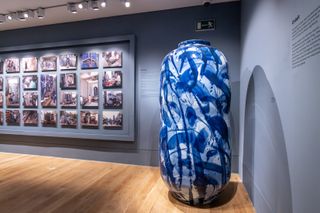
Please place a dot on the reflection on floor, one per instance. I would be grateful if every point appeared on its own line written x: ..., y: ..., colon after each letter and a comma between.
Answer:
x: 47, y: 184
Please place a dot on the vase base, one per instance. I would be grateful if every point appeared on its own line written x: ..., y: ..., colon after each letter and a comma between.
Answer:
x: 201, y: 202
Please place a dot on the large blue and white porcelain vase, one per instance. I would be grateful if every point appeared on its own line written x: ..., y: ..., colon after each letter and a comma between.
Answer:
x: 195, y: 154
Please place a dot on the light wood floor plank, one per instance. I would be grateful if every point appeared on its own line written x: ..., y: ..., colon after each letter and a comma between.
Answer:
x: 31, y: 184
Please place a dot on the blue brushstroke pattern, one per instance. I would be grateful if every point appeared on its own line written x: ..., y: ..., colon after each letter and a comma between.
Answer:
x: 195, y: 154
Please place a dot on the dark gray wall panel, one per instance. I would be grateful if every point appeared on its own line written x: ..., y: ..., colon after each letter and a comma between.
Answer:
x: 157, y: 33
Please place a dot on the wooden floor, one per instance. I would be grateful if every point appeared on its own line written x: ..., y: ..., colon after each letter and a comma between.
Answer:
x: 47, y: 184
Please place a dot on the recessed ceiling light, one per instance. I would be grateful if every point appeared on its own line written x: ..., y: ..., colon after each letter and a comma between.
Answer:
x: 9, y: 17
x: 80, y: 6
x: 25, y: 14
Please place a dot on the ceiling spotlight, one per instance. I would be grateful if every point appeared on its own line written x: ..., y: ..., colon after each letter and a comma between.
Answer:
x: 71, y: 7
x: 103, y: 3
x: 25, y: 15
x: 94, y: 5
x: 21, y: 16
x: 83, y: 5
x: 9, y: 17
x: 2, y: 18
x: 40, y: 13
x: 126, y: 3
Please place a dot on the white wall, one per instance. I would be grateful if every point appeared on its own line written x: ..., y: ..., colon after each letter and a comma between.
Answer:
x: 266, y: 40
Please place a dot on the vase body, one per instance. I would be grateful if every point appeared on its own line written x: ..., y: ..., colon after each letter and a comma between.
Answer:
x: 195, y: 153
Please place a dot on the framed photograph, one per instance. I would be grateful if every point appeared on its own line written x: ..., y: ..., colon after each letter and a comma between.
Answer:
x: 1, y: 84
x: 49, y: 90
x: 1, y: 99
x: 68, y: 81
x: 13, y: 92
x: 30, y: 99
x: 48, y: 63
x: 30, y: 82
x: 1, y: 118
x: 68, y: 62
x: 13, y: 117
x: 30, y: 118
x: 112, y: 59
x: 1, y: 66
x: 112, y: 79
x: 112, y: 119
x: 89, y: 60
x: 112, y: 99
x: 29, y: 64
x: 68, y: 99
x: 89, y: 93
x: 89, y: 119
x: 11, y: 65
x: 49, y: 118
x: 69, y: 119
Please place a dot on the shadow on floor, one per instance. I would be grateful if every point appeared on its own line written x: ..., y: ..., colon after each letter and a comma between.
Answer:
x: 225, y: 197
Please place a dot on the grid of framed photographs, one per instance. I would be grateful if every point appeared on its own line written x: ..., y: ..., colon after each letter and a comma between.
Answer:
x: 76, y: 89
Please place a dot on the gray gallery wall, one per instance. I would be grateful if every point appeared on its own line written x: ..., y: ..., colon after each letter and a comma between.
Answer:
x: 279, y: 109
x: 156, y: 34
x: 265, y: 162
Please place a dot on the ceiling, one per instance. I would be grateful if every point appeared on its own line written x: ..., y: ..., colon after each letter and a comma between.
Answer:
x: 61, y: 15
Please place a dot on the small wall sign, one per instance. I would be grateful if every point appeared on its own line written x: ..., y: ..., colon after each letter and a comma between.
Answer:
x: 206, y: 25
